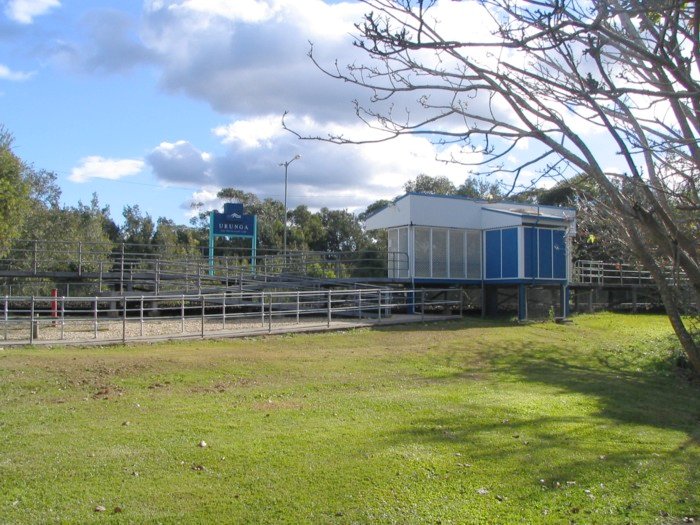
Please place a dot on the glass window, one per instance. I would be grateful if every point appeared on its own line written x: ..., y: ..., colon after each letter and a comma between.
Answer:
x: 422, y: 252
x: 393, y: 247
x: 402, y: 257
x: 457, y: 265
x: 473, y: 254
x: 439, y: 253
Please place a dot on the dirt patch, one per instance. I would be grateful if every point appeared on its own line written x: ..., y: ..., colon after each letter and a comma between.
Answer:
x: 223, y: 386
x: 271, y: 405
x: 108, y: 392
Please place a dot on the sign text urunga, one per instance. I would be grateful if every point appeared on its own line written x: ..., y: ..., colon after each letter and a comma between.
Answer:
x: 233, y: 222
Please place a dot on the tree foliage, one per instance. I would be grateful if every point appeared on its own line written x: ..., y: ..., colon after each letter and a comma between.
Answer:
x: 629, y: 69
x: 14, y: 192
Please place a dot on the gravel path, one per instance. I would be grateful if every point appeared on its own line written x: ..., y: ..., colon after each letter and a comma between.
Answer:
x: 81, y: 331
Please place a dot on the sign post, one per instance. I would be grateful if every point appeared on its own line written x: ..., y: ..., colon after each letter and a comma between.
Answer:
x: 233, y: 223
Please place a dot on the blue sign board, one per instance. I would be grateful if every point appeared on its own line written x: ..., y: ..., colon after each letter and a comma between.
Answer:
x: 233, y: 222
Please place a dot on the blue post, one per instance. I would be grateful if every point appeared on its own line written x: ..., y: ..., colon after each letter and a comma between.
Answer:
x: 211, y: 243
x: 254, y: 242
x: 522, y: 302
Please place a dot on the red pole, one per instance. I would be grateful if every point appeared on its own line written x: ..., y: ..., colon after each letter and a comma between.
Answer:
x: 54, y: 304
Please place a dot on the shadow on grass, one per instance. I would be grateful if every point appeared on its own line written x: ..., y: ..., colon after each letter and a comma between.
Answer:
x: 475, y: 321
x: 607, y: 443
x: 619, y: 403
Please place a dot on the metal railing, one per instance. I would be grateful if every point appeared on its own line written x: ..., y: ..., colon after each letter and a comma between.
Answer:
x: 51, y: 320
x: 162, y: 268
x: 610, y: 273
x: 601, y: 273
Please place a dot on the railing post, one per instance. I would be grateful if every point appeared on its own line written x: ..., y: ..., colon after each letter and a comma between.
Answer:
x: 141, y: 315
x: 6, y: 312
x: 34, y: 258
x: 123, y: 318
x: 121, y: 269
x: 157, y: 276
x: 31, y: 322
x: 223, y: 311
x: 182, y: 313
x: 330, y: 306
x: 379, y: 305
x: 80, y: 258
x: 359, y: 304
x: 203, y: 306
x: 94, y: 316
x: 269, y: 313
x: 63, y: 317
x: 262, y: 309
x: 298, y: 305
x: 422, y: 305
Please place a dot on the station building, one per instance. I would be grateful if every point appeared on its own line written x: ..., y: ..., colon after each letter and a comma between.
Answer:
x: 438, y: 240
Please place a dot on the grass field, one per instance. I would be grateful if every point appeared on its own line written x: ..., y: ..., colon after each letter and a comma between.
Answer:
x: 459, y: 422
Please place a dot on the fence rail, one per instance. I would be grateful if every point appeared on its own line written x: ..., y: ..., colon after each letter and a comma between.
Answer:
x: 45, y: 320
x: 619, y: 274
x: 162, y: 268
x: 609, y: 273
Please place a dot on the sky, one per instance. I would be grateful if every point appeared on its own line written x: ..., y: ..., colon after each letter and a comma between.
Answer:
x: 161, y: 103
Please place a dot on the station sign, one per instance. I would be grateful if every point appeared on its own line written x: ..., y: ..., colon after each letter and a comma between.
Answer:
x: 233, y: 222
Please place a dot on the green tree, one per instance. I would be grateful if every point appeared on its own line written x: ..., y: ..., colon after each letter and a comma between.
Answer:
x: 480, y: 188
x: 14, y: 193
x: 138, y: 229
x: 439, y: 185
x: 306, y: 232
x: 173, y: 241
x: 343, y: 232
x: 373, y: 208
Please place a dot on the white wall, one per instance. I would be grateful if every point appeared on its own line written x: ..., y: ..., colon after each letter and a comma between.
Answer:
x: 456, y: 212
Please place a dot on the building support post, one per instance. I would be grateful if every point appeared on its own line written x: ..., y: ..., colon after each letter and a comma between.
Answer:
x: 522, y: 302
x: 564, y: 296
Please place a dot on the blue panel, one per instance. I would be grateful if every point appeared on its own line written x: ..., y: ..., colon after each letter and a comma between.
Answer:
x: 233, y: 224
x: 509, y: 253
x: 493, y: 254
x: 559, y: 256
x: 530, y: 252
x: 545, y: 254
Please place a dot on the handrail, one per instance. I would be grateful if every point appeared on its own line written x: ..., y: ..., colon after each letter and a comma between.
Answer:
x: 132, y: 263
x: 134, y: 317
x: 604, y: 273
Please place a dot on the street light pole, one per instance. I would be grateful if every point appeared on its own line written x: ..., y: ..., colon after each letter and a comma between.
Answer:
x: 286, y: 167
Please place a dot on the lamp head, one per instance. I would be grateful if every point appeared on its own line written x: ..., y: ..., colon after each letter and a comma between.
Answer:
x: 296, y: 157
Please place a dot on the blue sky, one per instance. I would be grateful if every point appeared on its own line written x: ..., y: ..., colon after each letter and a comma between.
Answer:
x: 162, y: 102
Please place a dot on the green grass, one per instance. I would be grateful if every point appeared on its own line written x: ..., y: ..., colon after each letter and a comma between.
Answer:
x: 458, y: 422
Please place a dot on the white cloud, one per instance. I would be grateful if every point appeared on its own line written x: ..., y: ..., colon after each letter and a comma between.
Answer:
x: 203, y: 200
x: 253, y: 61
x: 247, y: 59
x: 96, y: 167
x: 251, y: 133
x: 328, y: 175
x: 24, y: 11
x: 180, y: 162
x: 249, y: 11
x: 7, y: 74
